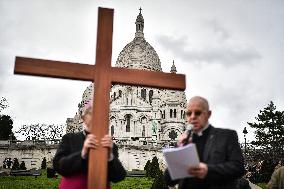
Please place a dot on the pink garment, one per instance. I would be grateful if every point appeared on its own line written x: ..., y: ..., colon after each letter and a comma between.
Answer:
x: 78, y: 181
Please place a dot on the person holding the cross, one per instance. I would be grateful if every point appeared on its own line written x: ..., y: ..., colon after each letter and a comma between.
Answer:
x: 221, y: 161
x: 71, y: 158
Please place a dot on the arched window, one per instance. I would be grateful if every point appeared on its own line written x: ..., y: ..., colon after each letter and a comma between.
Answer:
x: 128, y: 117
x: 119, y: 93
x: 164, y: 114
x: 175, y: 113
x: 143, y: 93
x: 113, y: 124
x: 114, y: 95
x: 143, y: 120
x: 171, y: 113
x: 143, y: 130
x: 150, y: 96
x: 181, y: 114
x: 112, y: 130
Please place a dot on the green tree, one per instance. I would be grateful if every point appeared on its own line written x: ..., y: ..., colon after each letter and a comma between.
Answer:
x: 269, y: 140
x: 147, y: 168
x: 16, y: 165
x: 43, y: 163
x: 269, y: 133
x: 23, y: 166
x: 41, y: 131
x: 3, y: 104
x: 159, y: 182
x: 154, y: 168
x: 6, y: 126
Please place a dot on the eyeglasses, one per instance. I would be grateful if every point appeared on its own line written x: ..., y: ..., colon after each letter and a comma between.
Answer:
x: 196, y: 113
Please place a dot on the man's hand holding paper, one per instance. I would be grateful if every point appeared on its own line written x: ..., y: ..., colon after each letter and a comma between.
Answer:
x: 180, y: 160
x: 199, y: 171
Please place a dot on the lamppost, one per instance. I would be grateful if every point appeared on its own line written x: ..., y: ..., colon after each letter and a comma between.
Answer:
x: 245, y: 134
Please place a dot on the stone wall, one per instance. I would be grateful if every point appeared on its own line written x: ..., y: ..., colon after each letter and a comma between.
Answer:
x: 133, y: 157
x: 32, y: 153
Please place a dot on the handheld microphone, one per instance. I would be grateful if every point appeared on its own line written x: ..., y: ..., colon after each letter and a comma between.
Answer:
x: 188, y: 128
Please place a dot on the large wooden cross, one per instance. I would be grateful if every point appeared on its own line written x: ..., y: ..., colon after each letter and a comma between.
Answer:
x: 103, y: 75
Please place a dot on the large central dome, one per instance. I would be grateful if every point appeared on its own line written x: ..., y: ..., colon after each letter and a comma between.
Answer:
x: 139, y: 54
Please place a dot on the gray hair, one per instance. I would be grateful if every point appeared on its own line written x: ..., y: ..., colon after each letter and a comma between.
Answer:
x: 202, y: 100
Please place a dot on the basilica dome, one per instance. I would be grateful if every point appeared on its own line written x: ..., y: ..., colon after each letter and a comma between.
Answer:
x: 139, y: 54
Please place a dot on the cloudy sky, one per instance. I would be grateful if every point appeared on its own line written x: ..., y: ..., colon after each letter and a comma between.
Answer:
x: 231, y: 52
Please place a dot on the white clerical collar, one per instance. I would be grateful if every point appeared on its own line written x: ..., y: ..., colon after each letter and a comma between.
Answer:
x: 200, y: 133
x: 85, y: 132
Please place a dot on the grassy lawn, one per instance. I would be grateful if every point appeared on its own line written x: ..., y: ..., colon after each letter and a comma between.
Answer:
x: 262, y: 185
x: 42, y: 182
x: 25, y: 182
x: 133, y: 183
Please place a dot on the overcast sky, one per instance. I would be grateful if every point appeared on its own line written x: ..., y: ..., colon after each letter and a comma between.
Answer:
x: 230, y: 50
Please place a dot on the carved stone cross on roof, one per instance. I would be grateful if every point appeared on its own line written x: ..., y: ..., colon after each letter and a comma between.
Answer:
x: 103, y: 75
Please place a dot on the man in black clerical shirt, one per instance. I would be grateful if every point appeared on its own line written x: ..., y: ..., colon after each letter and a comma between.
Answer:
x: 221, y: 160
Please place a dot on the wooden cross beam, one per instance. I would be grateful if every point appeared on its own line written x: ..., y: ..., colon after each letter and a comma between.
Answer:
x: 103, y: 75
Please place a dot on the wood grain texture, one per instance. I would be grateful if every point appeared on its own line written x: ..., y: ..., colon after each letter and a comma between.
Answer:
x: 55, y: 69
x: 98, y: 158
x: 148, y: 78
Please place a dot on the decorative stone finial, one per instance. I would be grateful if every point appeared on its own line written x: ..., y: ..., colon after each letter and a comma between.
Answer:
x: 173, y: 68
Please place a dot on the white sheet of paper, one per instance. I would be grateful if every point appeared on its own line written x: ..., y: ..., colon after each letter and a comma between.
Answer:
x: 179, y: 159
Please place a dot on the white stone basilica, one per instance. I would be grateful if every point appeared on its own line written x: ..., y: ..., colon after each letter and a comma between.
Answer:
x: 141, y: 118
